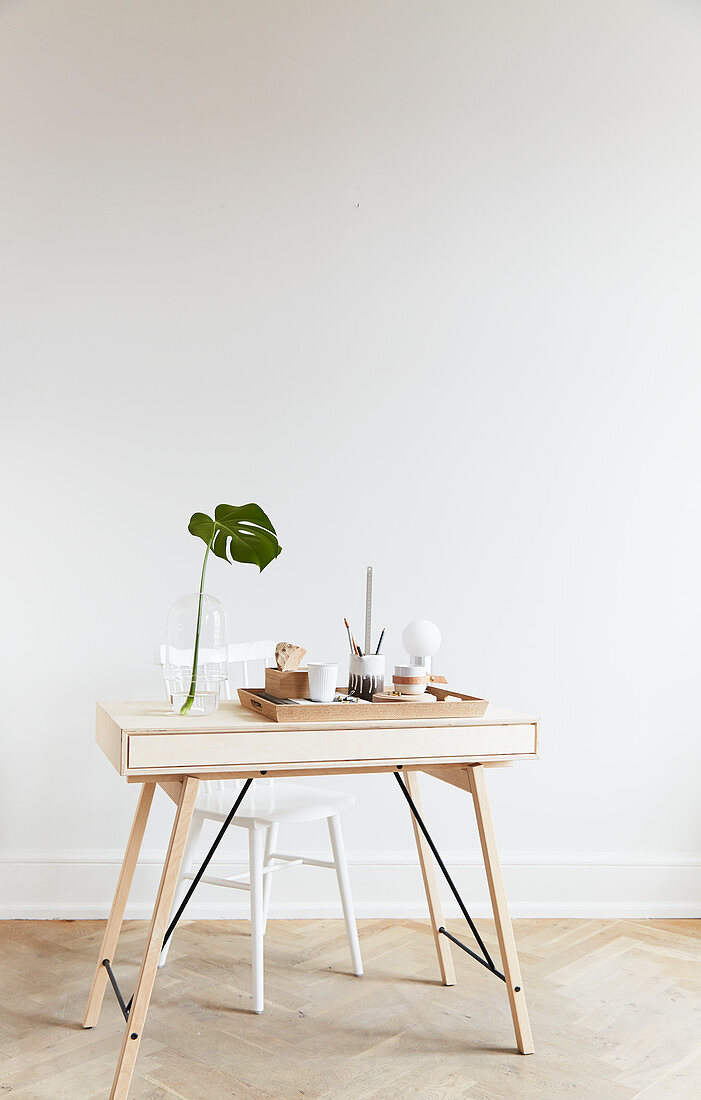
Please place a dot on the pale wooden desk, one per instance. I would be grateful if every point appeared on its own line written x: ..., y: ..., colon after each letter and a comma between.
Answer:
x: 149, y: 744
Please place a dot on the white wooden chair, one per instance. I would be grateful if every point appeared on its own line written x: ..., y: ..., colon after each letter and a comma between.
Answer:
x: 268, y: 804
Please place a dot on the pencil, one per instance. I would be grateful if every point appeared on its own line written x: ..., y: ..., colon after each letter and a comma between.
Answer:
x: 380, y: 641
x: 350, y: 640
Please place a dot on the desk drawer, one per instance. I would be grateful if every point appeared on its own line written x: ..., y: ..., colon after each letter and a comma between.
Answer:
x: 158, y: 752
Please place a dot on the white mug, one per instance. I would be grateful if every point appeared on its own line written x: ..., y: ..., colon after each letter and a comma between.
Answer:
x: 322, y: 681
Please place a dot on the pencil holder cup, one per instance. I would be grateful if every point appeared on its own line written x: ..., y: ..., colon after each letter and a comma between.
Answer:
x: 366, y: 675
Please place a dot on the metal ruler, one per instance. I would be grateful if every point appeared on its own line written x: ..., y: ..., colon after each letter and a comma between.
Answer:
x: 368, y: 612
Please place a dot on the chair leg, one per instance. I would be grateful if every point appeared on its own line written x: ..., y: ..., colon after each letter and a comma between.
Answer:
x: 183, y: 883
x: 256, y: 848
x: 339, y: 858
x: 270, y: 842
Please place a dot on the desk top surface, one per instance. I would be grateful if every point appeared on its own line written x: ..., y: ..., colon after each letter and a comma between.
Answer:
x: 231, y: 717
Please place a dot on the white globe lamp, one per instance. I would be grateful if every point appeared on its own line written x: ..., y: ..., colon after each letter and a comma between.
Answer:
x: 422, y: 640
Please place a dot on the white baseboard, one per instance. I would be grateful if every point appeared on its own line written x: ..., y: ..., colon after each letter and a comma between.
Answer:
x: 78, y: 884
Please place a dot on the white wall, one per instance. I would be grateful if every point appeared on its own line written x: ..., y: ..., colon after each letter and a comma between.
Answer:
x: 311, y: 254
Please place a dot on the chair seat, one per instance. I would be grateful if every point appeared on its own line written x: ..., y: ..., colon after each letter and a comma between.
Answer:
x: 267, y: 804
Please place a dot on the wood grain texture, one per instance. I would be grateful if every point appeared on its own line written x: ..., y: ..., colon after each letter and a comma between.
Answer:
x: 147, y: 739
x: 121, y: 895
x: 304, y: 748
x: 287, y: 685
x: 429, y: 874
x: 616, y: 1008
x: 158, y: 716
x: 173, y: 788
x: 108, y: 735
x: 456, y: 777
x: 280, y: 771
x: 497, y: 893
x: 442, y: 704
x: 159, y: 923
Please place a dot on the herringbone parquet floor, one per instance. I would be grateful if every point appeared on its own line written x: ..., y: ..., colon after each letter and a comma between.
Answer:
x: 614, y: 1007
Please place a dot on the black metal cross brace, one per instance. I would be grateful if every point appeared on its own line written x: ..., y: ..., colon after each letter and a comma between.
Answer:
x: 487, y: 960
x: 181, y: 908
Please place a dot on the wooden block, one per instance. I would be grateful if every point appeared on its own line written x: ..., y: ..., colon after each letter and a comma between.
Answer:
x: 287, y: 685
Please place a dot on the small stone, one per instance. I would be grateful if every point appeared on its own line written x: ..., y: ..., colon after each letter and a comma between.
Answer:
x: 288, y: 656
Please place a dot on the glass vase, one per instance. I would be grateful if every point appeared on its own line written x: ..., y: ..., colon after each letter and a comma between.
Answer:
x: 202, y: 692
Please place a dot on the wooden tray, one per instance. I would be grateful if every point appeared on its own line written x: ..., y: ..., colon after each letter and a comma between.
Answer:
x: 446, y: 704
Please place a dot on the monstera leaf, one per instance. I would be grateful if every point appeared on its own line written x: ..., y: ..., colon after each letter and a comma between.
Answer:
x: 242, y: 534
x: 235, y: 534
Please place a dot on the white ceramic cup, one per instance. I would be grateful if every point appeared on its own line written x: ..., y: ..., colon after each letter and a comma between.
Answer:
x: 322, y: 681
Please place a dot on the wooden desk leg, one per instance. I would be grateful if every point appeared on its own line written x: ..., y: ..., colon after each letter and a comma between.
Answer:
x: 428, y: 870
x: 159, y: 924
x: 497, y: 892
x: 121, y: 894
